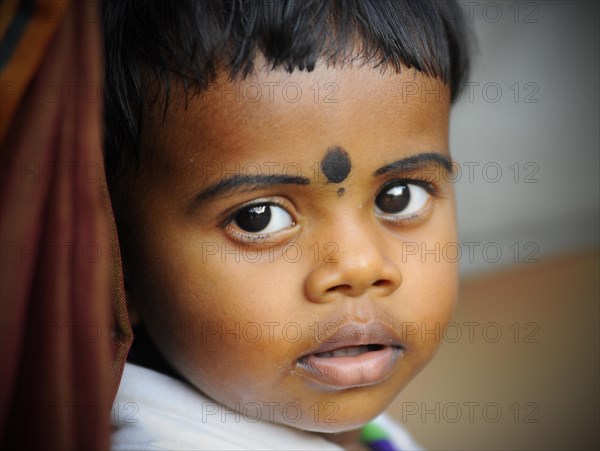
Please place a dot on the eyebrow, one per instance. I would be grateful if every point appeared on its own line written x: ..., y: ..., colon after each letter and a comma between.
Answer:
x: 235, y: 182
x: 414, y: 162
x: 238, y: 181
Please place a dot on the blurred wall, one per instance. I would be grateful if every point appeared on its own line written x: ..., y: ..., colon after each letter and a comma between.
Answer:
x: 525, y: 133
x: 518, y: 368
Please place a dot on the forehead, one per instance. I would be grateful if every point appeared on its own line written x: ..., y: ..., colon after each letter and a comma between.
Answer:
x: 272, y: 113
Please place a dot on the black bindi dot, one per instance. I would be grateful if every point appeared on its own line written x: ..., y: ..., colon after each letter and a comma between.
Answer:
x: 341, y: 191
x: 336, y: 165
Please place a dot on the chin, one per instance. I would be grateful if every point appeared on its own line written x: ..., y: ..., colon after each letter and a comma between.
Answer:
x: 347, y: 418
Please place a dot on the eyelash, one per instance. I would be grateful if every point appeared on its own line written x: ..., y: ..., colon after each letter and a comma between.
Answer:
x: 429, y: 186
x: 252, y: 237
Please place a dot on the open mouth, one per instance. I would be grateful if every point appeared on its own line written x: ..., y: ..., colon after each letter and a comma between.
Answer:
x: 350, y: 351
x: 356, y: 355
x: 351, y: 366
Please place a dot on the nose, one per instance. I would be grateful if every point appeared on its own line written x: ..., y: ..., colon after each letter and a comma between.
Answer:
x: 360, y: 266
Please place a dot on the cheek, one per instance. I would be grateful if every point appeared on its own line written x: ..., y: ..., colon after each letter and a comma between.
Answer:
x: 430, y: 281
x: 432, y: 288
x: 213, y: 315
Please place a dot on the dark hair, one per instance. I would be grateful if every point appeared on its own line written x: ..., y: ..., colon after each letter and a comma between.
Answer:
x: 189, y: 40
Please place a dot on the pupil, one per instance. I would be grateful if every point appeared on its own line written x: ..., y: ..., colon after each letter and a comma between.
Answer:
x: 393, y: 200
x: 254, y: 219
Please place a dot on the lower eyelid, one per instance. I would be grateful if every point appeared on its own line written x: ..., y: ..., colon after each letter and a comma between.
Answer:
x: 264, y: 240
x: 251, y: 237
x: 400, y: 219
x: 248, y: 237
x: 411, y: 218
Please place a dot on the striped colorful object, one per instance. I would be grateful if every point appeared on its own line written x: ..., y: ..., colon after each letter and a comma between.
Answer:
x: 376, y: 438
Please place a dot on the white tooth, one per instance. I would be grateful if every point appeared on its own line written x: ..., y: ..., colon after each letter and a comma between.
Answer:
x: 350, y: 351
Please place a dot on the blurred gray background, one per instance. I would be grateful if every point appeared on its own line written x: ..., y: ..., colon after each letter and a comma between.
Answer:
x: 531, y: 111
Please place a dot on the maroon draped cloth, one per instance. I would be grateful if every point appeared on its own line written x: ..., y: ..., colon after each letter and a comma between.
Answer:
x: 64, y: 331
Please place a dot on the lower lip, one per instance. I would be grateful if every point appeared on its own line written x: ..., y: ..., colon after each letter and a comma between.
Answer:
x: 346, y: 372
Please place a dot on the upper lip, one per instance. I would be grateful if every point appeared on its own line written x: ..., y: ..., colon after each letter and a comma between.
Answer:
x: 354, y: 333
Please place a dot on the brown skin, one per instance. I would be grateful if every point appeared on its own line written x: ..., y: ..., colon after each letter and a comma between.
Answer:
x: 180, y: 292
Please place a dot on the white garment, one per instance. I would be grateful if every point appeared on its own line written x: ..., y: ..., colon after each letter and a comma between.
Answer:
x: 154, y: 411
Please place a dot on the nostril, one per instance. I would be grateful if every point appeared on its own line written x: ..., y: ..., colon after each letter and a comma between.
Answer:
x: 338, y: 287
x: 377, y: 283
x: 381, y: 282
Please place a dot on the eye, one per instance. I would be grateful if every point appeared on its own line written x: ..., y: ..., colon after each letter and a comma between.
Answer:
x: 401, y: 199
x: 262, y: 218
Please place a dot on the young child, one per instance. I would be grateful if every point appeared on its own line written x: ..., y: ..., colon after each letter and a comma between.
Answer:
x: 271, y: 163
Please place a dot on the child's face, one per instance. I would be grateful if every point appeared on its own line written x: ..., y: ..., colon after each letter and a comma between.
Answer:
x: 240, y: 303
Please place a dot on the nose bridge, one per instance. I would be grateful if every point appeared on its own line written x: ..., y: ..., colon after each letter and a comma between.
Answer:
x: 360, y: 263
